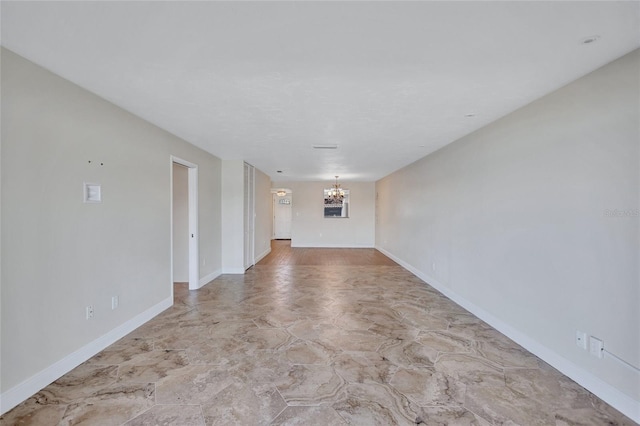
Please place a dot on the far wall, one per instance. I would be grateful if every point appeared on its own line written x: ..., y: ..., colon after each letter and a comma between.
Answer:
x: 310, y: 228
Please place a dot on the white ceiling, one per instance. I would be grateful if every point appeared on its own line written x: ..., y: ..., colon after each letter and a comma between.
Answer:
x: 388, y: 82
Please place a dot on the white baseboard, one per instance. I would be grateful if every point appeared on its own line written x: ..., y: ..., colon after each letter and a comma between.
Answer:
x: 620, y: 401
x: 209, y: 277
x: 263, y: 255
x: 327, y: 245
x: 233, y: 270
x: 24, y: 390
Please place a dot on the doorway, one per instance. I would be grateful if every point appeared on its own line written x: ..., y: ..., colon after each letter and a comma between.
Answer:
x: 180, y: 222
x: 282, y: 214
x: 184, y: 223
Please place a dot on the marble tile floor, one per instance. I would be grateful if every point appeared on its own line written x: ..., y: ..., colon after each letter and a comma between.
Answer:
x: 314, y: 345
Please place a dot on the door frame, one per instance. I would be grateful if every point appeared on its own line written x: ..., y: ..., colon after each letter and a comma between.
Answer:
x: 192, y: 183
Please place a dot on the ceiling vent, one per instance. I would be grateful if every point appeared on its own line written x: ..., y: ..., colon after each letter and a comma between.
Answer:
x: 325, y: 146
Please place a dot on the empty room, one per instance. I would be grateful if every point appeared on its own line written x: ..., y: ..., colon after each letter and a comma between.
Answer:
x: 320, y: 213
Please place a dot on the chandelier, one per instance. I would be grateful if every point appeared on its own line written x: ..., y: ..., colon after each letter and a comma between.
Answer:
x: 336, y: 194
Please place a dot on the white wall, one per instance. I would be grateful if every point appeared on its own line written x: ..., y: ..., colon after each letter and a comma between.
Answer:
x: 180, y: 224
x: 311, y: 229
x: 59, y: 254
x: 513, y: 218
x: 264, y: 215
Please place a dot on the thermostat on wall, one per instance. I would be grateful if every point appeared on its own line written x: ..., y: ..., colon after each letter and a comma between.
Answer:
x: 92, y: 193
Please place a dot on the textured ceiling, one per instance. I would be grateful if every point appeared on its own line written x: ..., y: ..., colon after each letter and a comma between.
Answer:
x: 388, y: 82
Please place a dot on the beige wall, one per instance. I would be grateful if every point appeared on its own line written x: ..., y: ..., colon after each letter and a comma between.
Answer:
x: 233, y: 216
x: 60, y: 255
x: 311, y: 229
x: 512, y: 222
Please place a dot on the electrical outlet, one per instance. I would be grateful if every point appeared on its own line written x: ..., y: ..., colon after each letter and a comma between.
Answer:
x: 581, y: 339
x: 114, y: 302
x: 596, y: 347
x: 89, y: 311
x: 433, y: 266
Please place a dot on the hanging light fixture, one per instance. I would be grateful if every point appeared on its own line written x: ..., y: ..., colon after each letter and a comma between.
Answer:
x: 336, y: 194
x: 281, y: 193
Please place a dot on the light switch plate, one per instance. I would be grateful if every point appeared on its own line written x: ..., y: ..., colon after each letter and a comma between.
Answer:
x: 92, y: 193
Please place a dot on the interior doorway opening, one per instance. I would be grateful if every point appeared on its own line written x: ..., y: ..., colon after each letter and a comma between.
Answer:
x: 180, y: 224
x: 282, y: 214
x: 184, y: 223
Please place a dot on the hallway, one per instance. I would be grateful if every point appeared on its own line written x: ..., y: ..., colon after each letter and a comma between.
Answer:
x: 315, y: 337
